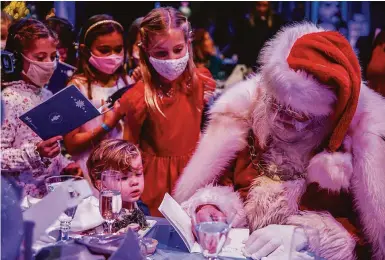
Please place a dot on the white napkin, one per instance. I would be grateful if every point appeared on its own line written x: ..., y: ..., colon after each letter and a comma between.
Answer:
x: 45, y: 211
x: 87, y: 215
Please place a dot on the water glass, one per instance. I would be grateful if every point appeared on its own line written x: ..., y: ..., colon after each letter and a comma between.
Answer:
x: 312, y: 244
x: 110, y: 198
x: 212, y: 236
x: 66, y: 217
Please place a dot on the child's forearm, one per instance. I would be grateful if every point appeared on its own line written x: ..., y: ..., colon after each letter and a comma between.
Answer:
x: 81, y: 141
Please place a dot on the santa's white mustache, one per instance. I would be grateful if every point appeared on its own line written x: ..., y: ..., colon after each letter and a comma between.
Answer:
x: 298, y: 126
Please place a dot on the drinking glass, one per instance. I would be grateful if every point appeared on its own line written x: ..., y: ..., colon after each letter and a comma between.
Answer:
x: 110, y: 198
x: 212, y: 236
x: 66, y: 217
x: 312, y: 238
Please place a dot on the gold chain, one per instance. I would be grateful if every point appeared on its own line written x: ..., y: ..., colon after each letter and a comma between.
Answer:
x: 253, y: 155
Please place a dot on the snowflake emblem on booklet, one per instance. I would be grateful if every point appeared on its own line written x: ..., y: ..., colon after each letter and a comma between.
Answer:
x: 79, y: 104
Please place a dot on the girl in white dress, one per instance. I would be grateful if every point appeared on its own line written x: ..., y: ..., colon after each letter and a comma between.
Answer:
x: 100, y: 74
x: 26, y: 159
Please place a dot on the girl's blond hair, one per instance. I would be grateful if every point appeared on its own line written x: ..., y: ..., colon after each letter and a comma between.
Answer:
x: 112, y: 154
x: 157, y: 22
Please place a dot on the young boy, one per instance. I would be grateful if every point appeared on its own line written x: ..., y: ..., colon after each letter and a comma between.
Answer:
x: 122, y: 156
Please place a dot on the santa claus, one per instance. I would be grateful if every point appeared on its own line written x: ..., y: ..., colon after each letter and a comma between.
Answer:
x: 305, y: 118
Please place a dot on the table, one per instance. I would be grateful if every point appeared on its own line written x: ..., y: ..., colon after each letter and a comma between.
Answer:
x: 170, y: 247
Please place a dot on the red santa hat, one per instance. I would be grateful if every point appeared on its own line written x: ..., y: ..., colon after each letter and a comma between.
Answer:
x: 315, y: 72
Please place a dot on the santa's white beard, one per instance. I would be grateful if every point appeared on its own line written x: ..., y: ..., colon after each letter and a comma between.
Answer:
x: 287, y: 151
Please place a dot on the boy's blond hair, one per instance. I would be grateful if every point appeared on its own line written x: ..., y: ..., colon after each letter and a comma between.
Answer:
x: 113, y: 154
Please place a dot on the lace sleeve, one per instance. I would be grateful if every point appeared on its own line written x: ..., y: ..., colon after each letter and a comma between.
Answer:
x: 15, y: 159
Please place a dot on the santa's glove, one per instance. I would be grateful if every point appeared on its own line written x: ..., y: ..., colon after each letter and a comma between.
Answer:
x: 265, y: 241
x: 281, y: 254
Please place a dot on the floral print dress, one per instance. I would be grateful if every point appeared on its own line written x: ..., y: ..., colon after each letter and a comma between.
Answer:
x: 19, y: 159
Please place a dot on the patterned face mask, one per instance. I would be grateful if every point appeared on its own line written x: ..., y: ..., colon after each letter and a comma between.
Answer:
x: 170, y: 69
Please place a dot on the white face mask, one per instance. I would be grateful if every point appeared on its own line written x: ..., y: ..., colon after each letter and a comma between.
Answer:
x: 108, y: 64
x: 40, y: 72
x: 170, y: 69
x: 3, y: 44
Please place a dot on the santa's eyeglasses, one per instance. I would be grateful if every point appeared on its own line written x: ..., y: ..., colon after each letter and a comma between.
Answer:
x: 286, y: 110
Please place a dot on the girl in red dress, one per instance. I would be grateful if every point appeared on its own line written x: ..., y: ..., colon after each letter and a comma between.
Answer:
x: 163, y: 111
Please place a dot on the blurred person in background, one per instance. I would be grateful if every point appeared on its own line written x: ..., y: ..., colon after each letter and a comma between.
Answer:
x: 205, y: 52
x: 364, y: 46
x: 133, y: 39
x: 66, y: 34
x: 258, y: 27
x: 6, y: 22
x: 330, y: 17
x: 375, y: 72
x: 66, y: 50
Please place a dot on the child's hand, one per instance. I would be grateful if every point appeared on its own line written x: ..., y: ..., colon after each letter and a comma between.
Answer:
x: 206, y: 213
x: 73, y: 169
x: 112, y: 117
x: 49, y: 148
x: 137, y: 74
x: 209, y: 213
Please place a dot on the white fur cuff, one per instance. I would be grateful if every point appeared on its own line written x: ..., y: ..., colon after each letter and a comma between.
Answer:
x: 332, y: 171
x: 271, y: 202
x: 333, y: 240
x: 223, y: 197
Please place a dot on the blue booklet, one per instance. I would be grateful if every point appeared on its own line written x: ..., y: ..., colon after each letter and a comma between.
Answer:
x: 60, y: 77
x: 63, y: 112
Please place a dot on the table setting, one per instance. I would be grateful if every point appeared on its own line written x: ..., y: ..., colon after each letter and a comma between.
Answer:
x: 87, y: 227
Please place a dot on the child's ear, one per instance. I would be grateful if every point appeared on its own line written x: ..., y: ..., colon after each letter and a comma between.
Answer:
x: 83, y: 49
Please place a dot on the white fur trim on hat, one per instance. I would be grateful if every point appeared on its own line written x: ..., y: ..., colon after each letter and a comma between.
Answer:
x: 299, y: 90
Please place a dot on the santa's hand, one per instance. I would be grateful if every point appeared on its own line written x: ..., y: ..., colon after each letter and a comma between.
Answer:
x: 264, y: 241
x: 209, y: 213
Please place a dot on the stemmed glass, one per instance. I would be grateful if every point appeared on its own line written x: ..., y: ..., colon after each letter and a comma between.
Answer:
x: 312, y: 244
x: 110, y: 198
x: 66, y: 217
x: 212, y: 235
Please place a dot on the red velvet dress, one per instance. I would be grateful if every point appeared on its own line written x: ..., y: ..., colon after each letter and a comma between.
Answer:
x: 166, y: 142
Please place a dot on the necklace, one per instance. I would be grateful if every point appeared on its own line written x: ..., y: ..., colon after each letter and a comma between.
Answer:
x: 171, y: 91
